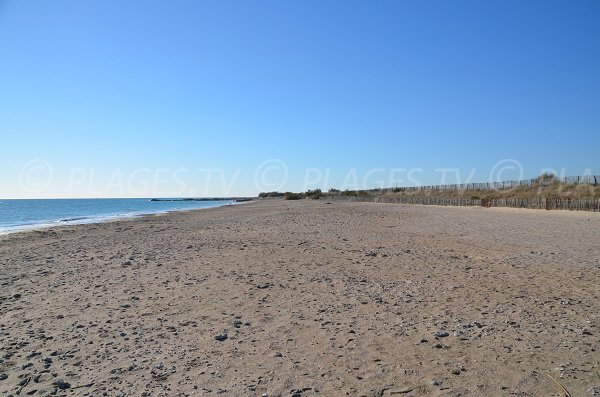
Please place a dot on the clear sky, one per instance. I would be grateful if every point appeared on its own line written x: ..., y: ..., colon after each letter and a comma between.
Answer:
x: 176, y: 98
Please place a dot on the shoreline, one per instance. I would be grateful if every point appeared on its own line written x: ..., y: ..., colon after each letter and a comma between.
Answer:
x: 125, y: 218
x: 91, y: 220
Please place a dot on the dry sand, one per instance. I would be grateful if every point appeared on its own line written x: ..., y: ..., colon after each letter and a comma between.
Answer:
x: 314, y: 298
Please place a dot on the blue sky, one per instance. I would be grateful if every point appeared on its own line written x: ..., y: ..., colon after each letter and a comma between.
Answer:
x: 145, y: 98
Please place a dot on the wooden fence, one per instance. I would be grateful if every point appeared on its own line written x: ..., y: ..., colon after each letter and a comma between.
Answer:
x: 584, y: 204
x: 567, y: 180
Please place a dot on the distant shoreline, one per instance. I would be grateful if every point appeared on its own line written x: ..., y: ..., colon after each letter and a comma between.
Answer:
x: 95, y: 215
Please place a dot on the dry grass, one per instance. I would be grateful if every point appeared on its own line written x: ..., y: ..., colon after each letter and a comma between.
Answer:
x: 539, y: 190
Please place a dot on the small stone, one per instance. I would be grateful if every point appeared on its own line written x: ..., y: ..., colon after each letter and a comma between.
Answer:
x: 456, y: 371
x: 3, y: 376
x: 47, y: 362
x: 43, y: 377
x: 62, y: 385
x: 441, y: 334
x: 402, y: 391
x: 277, y: 354
x: 221, y: 337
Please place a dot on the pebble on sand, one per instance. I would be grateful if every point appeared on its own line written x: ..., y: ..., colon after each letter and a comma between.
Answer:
x: 62, y: 385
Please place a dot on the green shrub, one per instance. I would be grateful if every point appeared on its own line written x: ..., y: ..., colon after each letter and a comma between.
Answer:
x: 270, y: 194
x: 292, y: 196
x: 314, y: 194
x: 546, y: 179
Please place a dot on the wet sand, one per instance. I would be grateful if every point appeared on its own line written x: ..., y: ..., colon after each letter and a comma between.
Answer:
x: 305, y: 298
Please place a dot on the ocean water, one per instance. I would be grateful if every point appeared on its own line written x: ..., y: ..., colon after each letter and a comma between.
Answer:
x: 17, y: 215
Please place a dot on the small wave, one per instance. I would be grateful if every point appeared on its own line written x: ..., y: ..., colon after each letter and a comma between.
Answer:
x: 72, y: 219
x: 12, y: 227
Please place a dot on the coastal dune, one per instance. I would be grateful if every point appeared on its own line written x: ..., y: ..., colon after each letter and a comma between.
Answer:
x: 304, y: 298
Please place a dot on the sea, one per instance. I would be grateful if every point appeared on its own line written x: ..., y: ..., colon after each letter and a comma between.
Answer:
x: 26, y: 214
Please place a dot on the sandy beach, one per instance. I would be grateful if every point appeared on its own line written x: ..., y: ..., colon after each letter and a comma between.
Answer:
x: 305, y: 298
